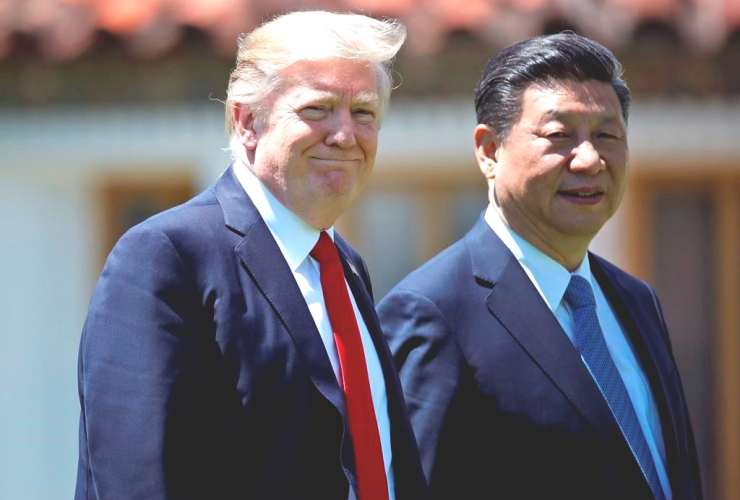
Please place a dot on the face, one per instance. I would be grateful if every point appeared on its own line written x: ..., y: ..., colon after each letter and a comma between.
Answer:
x: 562, y: 172
x: 315, y: 148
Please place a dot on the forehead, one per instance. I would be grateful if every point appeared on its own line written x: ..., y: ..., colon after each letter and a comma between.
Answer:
x: 331, y: 78
x: 571, y: 98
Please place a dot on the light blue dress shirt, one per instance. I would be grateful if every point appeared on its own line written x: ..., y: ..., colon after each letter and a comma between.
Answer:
x: 551, y: 279
x: 296, y: 239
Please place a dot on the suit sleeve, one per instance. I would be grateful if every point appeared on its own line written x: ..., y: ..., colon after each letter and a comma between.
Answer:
x: 429, y: 362
x: 142, y: 375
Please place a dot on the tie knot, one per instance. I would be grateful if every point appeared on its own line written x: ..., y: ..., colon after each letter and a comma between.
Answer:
x: 579, y: 292
x: 325, y: 251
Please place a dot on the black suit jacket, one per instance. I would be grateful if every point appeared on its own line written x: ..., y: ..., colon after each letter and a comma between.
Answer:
x: 202, y: 374
x: 500, y: 401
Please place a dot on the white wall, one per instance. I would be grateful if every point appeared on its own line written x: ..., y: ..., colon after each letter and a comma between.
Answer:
x: 43, y: 267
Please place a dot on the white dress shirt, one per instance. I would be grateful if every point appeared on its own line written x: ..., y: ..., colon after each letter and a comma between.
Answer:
x: 296, y: 239
x: 551, y: 279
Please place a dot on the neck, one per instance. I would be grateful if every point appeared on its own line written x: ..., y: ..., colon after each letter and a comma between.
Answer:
x: 568, y: 251
x: 318, y: 221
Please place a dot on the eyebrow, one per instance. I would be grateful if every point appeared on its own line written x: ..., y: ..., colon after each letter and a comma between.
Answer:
x: 606, y: 116
x: 367, y: 98
x: 363, y: 98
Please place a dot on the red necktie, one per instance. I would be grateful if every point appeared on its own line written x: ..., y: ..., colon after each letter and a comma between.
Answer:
x: 371, y: 479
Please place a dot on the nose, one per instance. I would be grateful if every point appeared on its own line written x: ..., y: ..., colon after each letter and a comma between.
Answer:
x: 586, y: 158
x: 341, y: 131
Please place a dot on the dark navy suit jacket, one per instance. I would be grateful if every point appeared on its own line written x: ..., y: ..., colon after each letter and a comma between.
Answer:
x: 500, y: 401
x: 202, y: 374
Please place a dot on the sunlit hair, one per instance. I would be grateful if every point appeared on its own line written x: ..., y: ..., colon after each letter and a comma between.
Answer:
x: 543, y: 60
x: 309, y: 36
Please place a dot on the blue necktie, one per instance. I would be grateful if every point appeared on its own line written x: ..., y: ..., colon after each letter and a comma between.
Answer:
x: 596, y: 355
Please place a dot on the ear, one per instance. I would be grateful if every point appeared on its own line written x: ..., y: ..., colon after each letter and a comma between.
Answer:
x: 487, y: 146
x: 244, y: 121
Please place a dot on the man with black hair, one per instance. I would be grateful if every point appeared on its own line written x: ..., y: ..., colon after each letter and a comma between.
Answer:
x: 531, y: 367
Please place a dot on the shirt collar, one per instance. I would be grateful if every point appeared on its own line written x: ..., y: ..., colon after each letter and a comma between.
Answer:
x: 294, y: 236
x: 548, y: 276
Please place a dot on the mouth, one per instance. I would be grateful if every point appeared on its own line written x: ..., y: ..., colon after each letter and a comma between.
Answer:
x: 334, y: 160
x: 583, y: 195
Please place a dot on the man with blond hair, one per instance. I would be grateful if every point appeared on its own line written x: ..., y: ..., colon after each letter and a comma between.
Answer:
x: 231, y: 349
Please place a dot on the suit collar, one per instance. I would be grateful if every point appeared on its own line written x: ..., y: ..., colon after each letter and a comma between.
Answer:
x: 488, y: 254
x: 240, y: 214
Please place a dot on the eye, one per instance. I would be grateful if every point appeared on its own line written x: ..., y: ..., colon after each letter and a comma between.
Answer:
x: 606, y: 135
x: 314, y: 112
x: 558, y: 134
x: 364, y: 115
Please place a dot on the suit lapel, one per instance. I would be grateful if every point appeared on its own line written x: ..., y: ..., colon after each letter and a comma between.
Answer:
x: 518, y: 307
x: 262, y: 259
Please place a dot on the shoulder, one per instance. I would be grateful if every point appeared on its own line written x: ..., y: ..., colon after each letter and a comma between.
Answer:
x: 189, y: 217
x: 423, y: 315
x: 192, y: 218
x: 441, y: 291
x: 173, y: 236
x: 441, y: 275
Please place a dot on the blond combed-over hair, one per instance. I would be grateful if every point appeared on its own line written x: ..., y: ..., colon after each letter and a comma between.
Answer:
x: 304, y: 36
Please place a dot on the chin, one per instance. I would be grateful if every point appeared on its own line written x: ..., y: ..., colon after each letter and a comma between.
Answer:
x: 585, y: 229
x: 345, y: 188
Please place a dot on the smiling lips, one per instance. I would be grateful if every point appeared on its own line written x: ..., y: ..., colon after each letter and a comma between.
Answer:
x: 336, y: 160
x: 586, y: 196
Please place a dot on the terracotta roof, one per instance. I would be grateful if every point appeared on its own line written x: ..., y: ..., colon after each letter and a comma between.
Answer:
x: 65, y: 29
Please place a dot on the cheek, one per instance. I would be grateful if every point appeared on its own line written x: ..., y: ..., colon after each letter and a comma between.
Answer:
x: 617, y: 156
x: 367, y: 138
x: 620, y: 184
x: 539, y: 179
x: 371, y: 148
x: 294, y: 136
x: 530, y: 167
x: 618, y: 167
